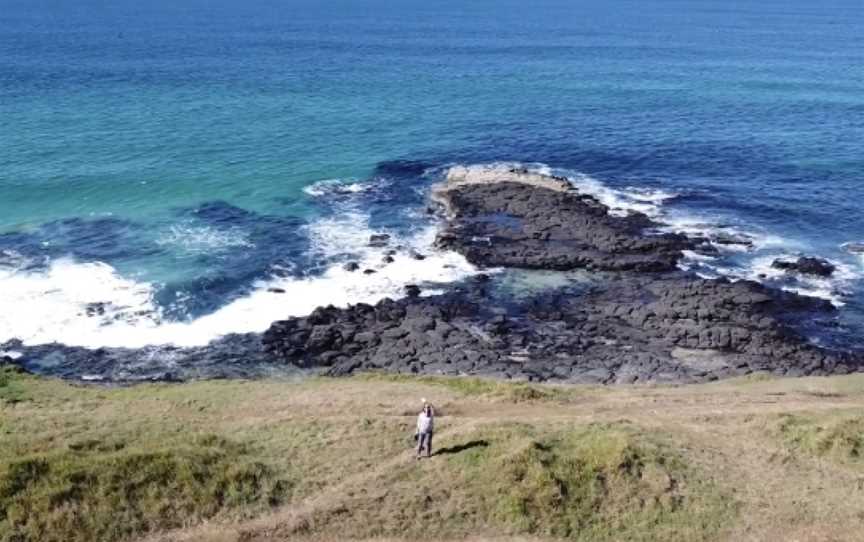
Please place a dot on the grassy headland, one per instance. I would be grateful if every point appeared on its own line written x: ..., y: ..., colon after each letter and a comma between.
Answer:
x: 322, y: 459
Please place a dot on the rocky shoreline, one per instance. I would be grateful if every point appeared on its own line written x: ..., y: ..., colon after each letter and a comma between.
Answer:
x: 640, y: 319
x: 646, y: 321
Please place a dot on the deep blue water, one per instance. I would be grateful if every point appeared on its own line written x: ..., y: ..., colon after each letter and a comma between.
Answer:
x: 154, y: 156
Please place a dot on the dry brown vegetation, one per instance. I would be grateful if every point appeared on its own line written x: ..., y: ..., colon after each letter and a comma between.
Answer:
x: 321, y: 459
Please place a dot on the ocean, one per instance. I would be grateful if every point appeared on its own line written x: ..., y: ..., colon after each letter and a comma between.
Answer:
x: 171, y: 172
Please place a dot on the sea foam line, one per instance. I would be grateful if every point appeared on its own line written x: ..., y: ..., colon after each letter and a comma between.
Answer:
x: 52, y: 305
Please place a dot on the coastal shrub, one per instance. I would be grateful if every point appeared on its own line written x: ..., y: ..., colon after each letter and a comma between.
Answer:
x: 840, y: 439
x: 96, y: 490
x: 12, y: 387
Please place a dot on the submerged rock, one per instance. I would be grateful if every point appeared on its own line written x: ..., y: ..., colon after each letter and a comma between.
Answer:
x: 379, y: 240
x: 854, y: 248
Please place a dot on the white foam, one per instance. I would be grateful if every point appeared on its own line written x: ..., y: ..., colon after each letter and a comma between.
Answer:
x: 834, y: 288
x: 620, y: 202
x: 336, y: 186
x: 51, y: 305
x: 204, y: 239
x: 751, y: 240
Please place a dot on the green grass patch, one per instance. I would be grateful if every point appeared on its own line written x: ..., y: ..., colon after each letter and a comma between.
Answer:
x: 597, y: 483
x: 838, y: 438
x: 113, y: 490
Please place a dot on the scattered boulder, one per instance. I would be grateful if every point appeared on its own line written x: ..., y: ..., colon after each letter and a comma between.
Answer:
x: 276, y: 290
x: 96, y: 308
x: 412, y: 290
x: 351, y: 266
x: 369, y: 271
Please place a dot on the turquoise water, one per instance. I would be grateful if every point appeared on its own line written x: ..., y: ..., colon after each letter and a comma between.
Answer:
x: 155, y: 157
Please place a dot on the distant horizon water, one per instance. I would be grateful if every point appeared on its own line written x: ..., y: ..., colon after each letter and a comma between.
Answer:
x: 166, y: 170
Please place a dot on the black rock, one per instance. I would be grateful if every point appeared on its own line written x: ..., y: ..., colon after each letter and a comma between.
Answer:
x: 276, y: 290
x: 412, y: 290
x: 724, y: 238
x: 95, y: 309
x: 807, y: 266
x: 351, y: 266
x: 637, y: 328
x: 513, y: 225
x: 369, y: 271
x: 379, y: 240
x: 387, y: 259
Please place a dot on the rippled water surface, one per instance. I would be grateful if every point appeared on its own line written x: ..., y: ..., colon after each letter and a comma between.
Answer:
x: 176, y: 163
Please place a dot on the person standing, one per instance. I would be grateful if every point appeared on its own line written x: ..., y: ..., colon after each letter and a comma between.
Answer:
x: 425, y: 427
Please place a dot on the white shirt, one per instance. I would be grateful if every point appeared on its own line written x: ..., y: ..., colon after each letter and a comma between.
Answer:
x: 425, y: 424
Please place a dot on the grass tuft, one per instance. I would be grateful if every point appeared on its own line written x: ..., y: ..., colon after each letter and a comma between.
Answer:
x: 98, y: 490
x: 840, y: 439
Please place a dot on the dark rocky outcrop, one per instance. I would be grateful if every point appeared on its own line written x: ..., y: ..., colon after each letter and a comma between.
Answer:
x: 522, y: 222
x: 819, y: 267
x: 633, y: 329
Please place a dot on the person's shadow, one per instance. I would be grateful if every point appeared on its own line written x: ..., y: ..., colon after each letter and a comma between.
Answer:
x: 462, y: 447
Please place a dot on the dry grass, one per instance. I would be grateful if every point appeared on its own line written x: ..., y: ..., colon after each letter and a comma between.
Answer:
x: 751, y: 459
